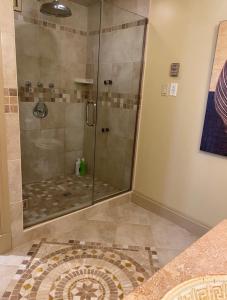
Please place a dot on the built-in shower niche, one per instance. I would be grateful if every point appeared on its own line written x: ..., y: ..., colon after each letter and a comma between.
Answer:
x: 85, y: 70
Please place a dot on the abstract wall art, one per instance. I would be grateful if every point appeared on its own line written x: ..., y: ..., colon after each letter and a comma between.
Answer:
x: 214, y: 138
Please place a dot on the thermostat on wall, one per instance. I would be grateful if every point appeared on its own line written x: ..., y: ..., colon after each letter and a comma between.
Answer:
x: 174, y: 69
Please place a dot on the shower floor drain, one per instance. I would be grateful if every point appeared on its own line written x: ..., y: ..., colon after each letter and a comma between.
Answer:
x: 67, y: 194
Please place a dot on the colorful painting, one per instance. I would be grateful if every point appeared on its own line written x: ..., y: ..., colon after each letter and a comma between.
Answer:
x: 214, y: 138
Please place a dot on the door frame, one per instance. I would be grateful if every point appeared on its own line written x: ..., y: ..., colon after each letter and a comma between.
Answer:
x: 5, y: 224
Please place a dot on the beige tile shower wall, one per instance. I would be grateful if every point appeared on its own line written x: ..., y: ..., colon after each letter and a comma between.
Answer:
x: 114, y: 150
x: 140, y: 7
x: 11, y: 117
x: 51, y: 50
x: 51, y: 146
x: 119, y: 54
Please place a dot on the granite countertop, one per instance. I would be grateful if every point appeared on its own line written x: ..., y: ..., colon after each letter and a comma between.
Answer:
x: 207, y: 256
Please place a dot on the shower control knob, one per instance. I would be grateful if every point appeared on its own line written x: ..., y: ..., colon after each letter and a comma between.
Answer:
x: 105, y: 130
x: 51, y: 85
x: 39, y: 84
x: 28, y: 83
x: 108, y: 82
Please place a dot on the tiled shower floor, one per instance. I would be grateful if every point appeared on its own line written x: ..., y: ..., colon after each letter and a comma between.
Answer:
x: 48, y: 199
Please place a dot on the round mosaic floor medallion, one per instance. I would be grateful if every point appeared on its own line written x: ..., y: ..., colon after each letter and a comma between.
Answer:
x: 87, y: 288
x: 86, y: 282
x: 77, y: 273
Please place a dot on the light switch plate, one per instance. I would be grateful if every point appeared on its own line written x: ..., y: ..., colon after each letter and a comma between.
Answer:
x: 173, y: 89
x: 164, y: 90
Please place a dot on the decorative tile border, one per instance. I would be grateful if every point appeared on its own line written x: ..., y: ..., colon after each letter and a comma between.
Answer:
x: 58, y: 95
x: 44, y: 23
x: 10, y: 100
x: 119, y: 100
x: 154, y: 261
x: 153, y: 255
x: 142, y: 22
x: 47, y: 257
x: 59, y: 27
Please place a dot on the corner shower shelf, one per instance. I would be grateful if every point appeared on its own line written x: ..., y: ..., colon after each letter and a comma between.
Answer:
x: 84, y: 81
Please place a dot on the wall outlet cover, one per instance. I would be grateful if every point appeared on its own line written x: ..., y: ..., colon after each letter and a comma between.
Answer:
x: 165, y: 90
x: 173, y: 89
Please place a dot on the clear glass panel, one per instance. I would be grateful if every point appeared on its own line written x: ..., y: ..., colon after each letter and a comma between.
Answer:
x: 120, y: 70
x: 57, y: 107
x: 79, y: 92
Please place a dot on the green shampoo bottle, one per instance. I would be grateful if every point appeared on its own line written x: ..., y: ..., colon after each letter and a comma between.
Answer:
x: 83, y: 167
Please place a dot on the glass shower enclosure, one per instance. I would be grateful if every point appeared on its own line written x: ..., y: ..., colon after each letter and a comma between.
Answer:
x: 79, y: 81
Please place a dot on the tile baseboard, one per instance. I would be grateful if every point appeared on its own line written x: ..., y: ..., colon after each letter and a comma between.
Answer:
x: 168, y: 213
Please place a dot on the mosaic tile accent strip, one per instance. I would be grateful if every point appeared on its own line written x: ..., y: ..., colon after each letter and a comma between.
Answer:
x: 59, y: 27
x: 50, y: 198
x: 30, y: 94
x: 79, y: 270
x: 44, y: 23
x: 142, y: 22
x: 10, y: 100
x: 116, y: 100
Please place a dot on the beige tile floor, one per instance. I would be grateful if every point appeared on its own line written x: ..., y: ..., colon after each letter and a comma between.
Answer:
x: 126, y: 224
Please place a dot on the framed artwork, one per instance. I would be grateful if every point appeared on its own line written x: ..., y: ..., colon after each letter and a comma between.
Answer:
x: 18, y: 5
x: 214, y: 138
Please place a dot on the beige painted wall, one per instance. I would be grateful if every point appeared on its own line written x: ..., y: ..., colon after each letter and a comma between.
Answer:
x: 170, y: 168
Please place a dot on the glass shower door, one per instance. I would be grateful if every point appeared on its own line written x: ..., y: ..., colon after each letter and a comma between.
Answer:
x: 79, y: 90
x: 122, y: 41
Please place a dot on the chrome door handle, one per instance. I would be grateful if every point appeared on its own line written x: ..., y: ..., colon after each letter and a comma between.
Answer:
x: 90, y: 104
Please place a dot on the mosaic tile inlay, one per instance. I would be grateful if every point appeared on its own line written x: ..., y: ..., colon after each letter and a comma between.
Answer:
x: 35, y: 94
x: 81, y: 271
x: 60, y: 195
x: 59, y: 27
x: 58, y: 95
x: 10, y: 100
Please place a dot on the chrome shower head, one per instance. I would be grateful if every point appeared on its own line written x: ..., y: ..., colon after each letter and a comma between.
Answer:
x: 55, y: 8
